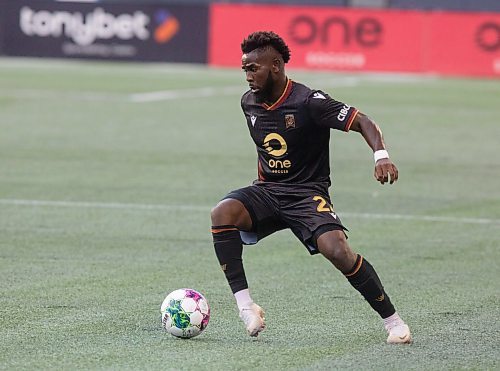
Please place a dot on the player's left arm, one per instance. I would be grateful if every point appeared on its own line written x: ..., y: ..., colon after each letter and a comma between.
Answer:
x: 385, y: 170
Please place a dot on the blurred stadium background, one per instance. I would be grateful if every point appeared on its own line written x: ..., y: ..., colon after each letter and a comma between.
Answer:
x: 120, y: 127
x: 447, y: 37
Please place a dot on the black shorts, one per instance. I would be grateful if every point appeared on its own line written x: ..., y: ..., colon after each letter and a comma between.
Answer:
x: 306, y: 209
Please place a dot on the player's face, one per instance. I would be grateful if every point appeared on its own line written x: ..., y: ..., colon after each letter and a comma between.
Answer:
x: 258, y: 70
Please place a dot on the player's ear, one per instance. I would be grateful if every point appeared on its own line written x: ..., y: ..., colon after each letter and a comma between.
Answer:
x: 276, y: 65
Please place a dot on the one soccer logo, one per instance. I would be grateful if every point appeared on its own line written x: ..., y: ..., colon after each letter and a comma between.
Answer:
x: 275, y: 152
x: 276, y: 146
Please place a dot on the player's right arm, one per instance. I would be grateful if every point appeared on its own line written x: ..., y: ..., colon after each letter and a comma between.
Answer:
x: 385, y: 170
x: 328, y: 112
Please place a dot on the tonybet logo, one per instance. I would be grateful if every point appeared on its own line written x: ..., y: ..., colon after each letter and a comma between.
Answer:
x: 84, y: 29
x: 277, y: 166
x: 168, y: 26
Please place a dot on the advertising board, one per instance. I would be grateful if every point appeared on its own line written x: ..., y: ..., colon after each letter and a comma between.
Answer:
x: 464, y: 44
x: 364, y: 40
x: 173, y: 33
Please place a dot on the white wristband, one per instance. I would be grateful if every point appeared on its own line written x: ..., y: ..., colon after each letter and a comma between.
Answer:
x: 380, y: 154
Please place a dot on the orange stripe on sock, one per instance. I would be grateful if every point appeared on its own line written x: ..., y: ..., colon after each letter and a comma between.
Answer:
x: 223, y: 230
x: 357, y: 268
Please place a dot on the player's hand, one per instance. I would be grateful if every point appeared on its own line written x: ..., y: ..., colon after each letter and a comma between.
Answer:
x: 386, y: 171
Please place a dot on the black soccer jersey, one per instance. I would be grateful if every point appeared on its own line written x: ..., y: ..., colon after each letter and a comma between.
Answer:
x: 292, y: 135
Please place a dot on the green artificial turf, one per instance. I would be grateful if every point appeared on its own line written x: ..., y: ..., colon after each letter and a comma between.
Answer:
x: 105, y: 208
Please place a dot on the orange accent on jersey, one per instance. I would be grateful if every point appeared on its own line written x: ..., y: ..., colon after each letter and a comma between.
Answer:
x: 223, y: 230
x: 357, y: 268
x: 260, y: 171
x: 282, y: 98
x: 351, y: 120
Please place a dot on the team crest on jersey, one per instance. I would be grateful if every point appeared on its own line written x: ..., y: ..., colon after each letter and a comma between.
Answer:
x: 289, y: 121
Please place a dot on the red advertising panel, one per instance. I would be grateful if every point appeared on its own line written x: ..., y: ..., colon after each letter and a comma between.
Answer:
x: 360, y: 39
x: 464, y: 44
x: 321, y: 37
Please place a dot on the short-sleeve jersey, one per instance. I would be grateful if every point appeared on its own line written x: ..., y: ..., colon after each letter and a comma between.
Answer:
x: 292, y: 136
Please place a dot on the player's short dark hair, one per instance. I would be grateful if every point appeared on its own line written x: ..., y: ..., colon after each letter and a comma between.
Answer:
x: 264, y: 39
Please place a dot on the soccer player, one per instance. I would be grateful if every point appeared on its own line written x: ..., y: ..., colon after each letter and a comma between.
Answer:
x: 290, y: 125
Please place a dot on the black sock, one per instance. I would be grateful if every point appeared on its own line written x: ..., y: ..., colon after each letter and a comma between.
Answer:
x: 364, y: 279
x: 229, y: 250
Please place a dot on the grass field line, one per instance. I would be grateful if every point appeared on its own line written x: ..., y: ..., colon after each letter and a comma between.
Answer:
x: 198, y: 92
x: 62, y: 94
x: 208, y: 91
x: 212, y: 91
x: 203, y: 208
x: 150, y: 96
x: 144, y: 97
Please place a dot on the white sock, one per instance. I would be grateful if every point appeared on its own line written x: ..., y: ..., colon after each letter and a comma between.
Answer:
x: 243, y: 299
x: 392, y: 321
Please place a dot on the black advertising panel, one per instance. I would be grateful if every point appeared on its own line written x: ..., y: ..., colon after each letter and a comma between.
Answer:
x: 148, y: 32
x: 2, y: 27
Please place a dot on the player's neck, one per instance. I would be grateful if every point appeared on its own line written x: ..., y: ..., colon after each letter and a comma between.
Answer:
x: 278, y: 90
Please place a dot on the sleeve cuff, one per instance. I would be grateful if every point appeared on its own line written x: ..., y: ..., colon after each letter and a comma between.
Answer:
x: 351, y: 120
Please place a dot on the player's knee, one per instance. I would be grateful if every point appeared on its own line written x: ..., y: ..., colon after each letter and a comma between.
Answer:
x: 333, y: 245
x: 217, y: 213
x: 226, y: 212
x: 340, y: 251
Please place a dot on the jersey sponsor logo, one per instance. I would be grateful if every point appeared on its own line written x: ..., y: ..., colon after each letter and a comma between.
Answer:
x: 318, y: 96
x: 276, y: 146
x: 289, y: 121
x: 253, y: 119
x: 279, y: 166
x: 271, y: 141
x: 343, y: 112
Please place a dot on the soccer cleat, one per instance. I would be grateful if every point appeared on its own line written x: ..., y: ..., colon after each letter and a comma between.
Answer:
x: 253, y: 317
x: 399, y: 333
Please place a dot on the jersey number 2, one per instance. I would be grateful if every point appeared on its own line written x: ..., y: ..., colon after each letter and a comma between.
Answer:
x: 323, y: 205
